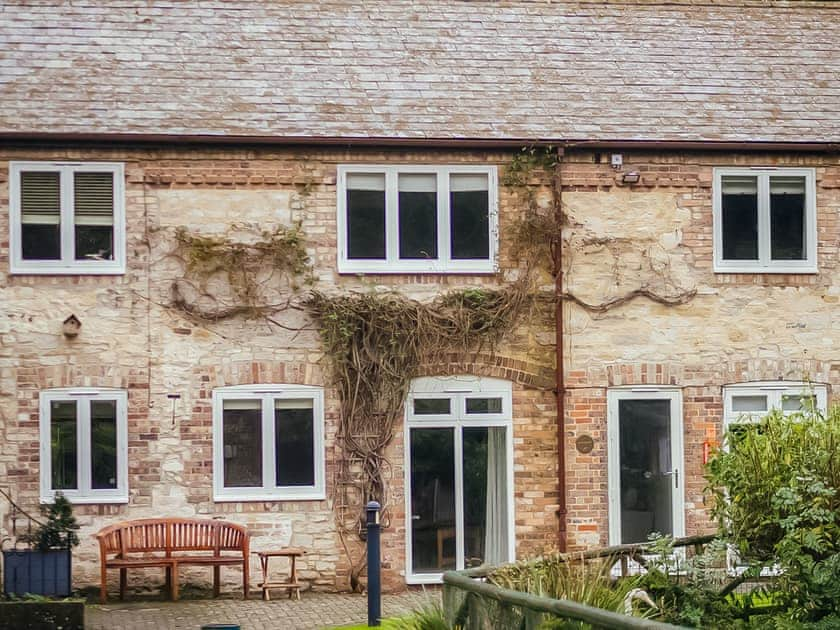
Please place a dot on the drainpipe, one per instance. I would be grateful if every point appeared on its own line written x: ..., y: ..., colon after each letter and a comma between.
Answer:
x: 560, y: 385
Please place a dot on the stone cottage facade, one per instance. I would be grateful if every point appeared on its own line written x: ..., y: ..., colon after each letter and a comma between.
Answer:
x: 699, y: 186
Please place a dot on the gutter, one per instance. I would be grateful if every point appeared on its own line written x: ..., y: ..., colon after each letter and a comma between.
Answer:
x: 96, y: 138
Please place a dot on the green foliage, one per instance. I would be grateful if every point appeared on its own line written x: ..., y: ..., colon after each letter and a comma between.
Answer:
x: 526, y: 162
x: 585, y: 582
x: 775, y: 493
x: 59, y: 529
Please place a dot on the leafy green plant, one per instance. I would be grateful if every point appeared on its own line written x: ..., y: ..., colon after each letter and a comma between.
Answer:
x: 776, y: 494
x: 59, y: 529
x: 585, y: 582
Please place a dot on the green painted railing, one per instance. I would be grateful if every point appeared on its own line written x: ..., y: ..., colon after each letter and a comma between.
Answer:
x: 473, y: 604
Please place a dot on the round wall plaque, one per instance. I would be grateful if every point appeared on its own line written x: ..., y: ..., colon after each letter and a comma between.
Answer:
x: 585, y: 444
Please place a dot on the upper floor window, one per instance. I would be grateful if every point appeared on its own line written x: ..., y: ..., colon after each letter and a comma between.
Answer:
x: 84, y: 445
x: 268, y: 442
x: 746, y: 403
x: 434, y: 219
x: 66, y: 218
x: 765, y: 220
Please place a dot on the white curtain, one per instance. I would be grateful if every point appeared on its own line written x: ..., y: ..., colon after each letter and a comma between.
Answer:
x: 496, y: 519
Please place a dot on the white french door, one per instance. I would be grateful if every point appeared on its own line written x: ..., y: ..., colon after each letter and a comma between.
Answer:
x: 459, y: 476
x: 645, y: 463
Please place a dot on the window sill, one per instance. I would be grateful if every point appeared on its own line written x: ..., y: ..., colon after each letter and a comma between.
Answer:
x: 66, y: 270
x: 804, y: 270
x: 243, y: 497
x: 394, y: 268
x: 88, y: 499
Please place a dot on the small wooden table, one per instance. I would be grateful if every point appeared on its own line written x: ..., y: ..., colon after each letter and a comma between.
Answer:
x: 291, y: 584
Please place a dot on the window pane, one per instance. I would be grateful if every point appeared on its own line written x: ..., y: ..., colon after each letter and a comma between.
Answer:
x: 40, y: 242
x: 798, y: 403
x: 366, y: 216
x: 469, y: 200
x: 739, y: 210
x: 242, y: 443
x: 93, y: 215
x: 40, y: 205
x: 484, y: 405
x: 103, y: 444
x: 63, y: 445
x: 787, y: 218
x: 749, y: 403
x: 294, y: 431
x: 431, y: 406
x: 418, y: 216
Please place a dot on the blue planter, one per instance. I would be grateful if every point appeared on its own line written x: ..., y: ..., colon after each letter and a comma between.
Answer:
x: 37, y: 572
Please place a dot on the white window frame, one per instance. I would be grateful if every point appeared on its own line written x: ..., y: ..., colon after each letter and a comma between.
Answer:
x: 67, y: 265
x: 392, y: 262
x: 764, y: 264
x: 457, y: 389
x: 775, y: 392
x: 83, y: 396
x: 267, y: 394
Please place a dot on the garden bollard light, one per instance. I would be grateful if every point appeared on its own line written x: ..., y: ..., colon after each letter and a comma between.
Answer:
x: 374, y: 586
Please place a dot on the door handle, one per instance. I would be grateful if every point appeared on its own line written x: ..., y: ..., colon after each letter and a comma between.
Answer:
x: 415, y: 517
x: 676, y: 474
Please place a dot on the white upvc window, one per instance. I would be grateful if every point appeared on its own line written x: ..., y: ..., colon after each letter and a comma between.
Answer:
x: 765, y: 220
x: 268, y: 443
x: 748, y: 403
x: 67, y: 218
x: 417, y: 219
x: 84, y: 445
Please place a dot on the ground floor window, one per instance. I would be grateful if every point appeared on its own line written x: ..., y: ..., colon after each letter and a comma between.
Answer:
x: 748, y: 403
x: 84, y: 445
x: 459, y: 475
x: 268, y: 443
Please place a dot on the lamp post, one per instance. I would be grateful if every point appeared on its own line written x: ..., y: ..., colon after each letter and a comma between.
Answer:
x: 374, y: 586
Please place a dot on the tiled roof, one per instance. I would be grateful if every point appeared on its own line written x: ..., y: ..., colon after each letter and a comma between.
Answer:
x: 748, y: 70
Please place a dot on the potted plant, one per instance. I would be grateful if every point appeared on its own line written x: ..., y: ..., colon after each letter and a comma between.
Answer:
x: 44, y: 568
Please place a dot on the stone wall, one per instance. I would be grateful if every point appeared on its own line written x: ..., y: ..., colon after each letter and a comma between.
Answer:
x: 133, y: 338
x: 620, y: 238
x: 737, y: 328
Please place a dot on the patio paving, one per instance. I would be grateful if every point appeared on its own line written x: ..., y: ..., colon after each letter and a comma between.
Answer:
x: 313, y: 611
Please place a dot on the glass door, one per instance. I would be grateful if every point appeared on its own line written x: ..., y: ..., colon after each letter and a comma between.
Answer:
x: 458, y: 481
x: 645, y: 462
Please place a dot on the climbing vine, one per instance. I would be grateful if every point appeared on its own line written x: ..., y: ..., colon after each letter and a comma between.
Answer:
x: 375, y: 344
x: 225, y: 277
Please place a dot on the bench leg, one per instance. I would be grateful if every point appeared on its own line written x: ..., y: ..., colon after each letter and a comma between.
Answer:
x: 168, y: 584
x: 103, y: 587
x: 216, y: 570
x: 174, y: 586
x: 123, y: 583
x: 245, y: 579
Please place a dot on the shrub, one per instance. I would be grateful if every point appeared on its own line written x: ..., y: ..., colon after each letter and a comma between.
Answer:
x: 775, y: 495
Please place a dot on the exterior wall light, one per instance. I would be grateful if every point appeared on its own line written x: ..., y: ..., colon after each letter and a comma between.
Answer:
x: 631, y: 177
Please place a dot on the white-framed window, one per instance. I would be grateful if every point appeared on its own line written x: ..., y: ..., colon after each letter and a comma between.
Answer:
x: 417, y: 219
x: 84, y: 444
x: 67, y: 218
x: 746, y: 403
x: 765, y: 220
x: 268, y: 443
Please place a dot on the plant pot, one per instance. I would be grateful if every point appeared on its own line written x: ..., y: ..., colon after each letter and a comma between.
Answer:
x: 37, y: 572
x: 43, y: 615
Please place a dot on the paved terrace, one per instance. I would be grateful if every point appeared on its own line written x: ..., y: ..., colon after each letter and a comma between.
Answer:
x: 314, y: 610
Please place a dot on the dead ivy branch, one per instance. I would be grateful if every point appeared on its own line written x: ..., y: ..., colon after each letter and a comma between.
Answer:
x: 224, y: 277
x: 375, y: 344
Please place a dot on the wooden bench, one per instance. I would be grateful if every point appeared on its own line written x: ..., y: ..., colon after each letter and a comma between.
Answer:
x: 170, y: 543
